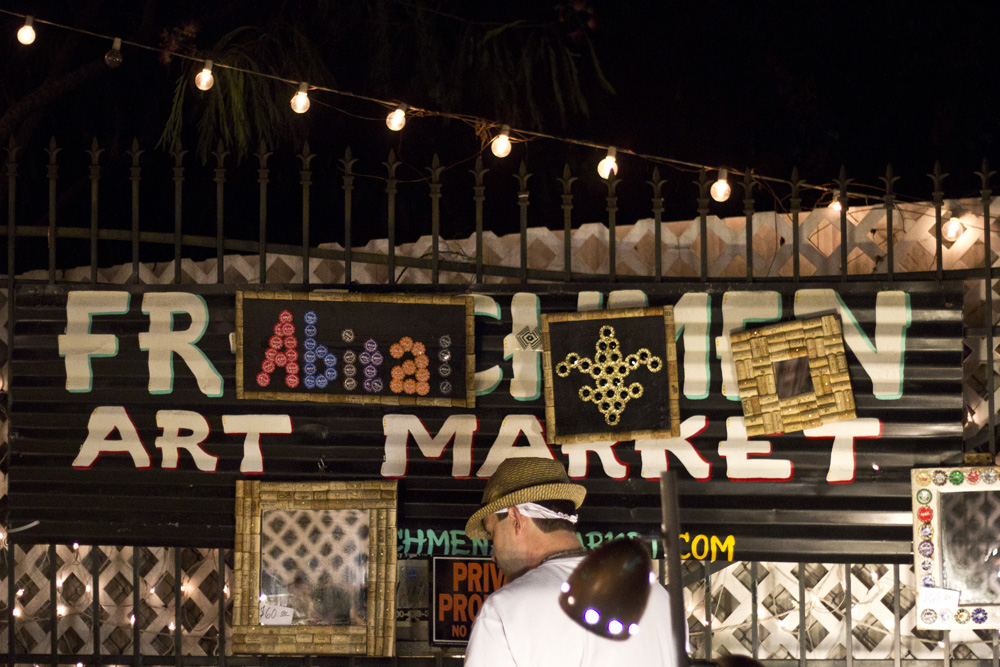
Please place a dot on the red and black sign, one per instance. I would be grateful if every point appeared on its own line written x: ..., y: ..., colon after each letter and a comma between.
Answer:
x: 460, y: 586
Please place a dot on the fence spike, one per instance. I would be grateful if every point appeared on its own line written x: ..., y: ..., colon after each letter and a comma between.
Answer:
x: 305, y: 156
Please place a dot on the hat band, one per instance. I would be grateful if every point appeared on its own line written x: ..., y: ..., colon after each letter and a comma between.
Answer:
x: 536, y: 511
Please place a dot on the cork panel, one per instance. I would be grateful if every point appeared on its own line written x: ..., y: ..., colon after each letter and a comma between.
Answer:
x: 378, y: 498
x: 755, y: 352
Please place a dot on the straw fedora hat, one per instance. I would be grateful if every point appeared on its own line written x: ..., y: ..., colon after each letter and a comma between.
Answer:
x: 523, y: 480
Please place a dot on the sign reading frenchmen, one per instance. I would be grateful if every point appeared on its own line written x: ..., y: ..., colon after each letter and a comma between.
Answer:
x: 355, y: 348
x: 793, y: 376
x: 610, y: 375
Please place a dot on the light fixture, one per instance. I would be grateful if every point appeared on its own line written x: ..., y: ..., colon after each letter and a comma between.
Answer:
x: 608, y: 165
x: 608, y: 590
x: 26, y: 33
x: 113, y: 58
x: 17, y: 612
x: 952, y: 230
x: 61, y: 610
x: 720, y: 190
x: 501, y: 143
x: 396, y: 119
x: 836, y: 205
x: 300, y: 103
x: 204, y: 80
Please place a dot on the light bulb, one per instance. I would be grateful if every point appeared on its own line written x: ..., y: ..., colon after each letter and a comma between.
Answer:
x: 720, y: 190
x: 26, y: 34
x: 113, y: 58
x: 76, y: 545
x: 61, y: 610
x: 501, y: 143
x: 131, y: 619
x: 204, y: 80
x: 300, y: 103
x: 397, y: 119
x: 608, y: 165
x: 952, y: 230
x: 836, y: 205
x: 17, y: 612
x: 172, y: 626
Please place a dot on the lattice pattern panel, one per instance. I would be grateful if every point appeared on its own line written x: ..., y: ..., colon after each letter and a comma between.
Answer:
x: 333, y: 544
x: 200, y: 590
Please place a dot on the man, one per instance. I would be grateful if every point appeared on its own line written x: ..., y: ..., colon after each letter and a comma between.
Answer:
x: 529, y: 511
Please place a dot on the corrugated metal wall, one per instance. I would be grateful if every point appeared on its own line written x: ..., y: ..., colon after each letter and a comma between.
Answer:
x: 804, y: 518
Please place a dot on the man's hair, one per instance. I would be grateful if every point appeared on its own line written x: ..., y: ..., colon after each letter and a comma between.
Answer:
x: 552, y: 525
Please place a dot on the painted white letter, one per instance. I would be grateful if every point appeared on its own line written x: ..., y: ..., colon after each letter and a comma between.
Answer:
x: 161, y: 341
x: 884, y: 361
x: 255, y: 426
x: 485, y: 382
x: 737, y: 451
x: 842, y: 461
x: 103, y: 422
x: 173, y: 422
x: 654, y: 451
x: 693, y: 318
x: 78, y: 345
x: 739, y: 308
x: 503, y: 447
x: 577, y: 454
x: 524, y: 345
x: 399, y: 428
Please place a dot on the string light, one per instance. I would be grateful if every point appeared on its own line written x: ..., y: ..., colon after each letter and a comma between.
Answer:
x: 113, y: 58
x: 26, y: 33
x: 952, y: 230
x: 608, y: 165
x: 501, y: 143
x: 836, y: 205
x: 396, y: 119
x: 17, y: 612
x: 300, y: 103
x: 204, y: 80
x: 720, y: 190
x: 61, y: 610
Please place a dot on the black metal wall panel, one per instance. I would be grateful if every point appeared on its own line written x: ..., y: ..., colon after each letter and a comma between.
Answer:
x: 803, y: 517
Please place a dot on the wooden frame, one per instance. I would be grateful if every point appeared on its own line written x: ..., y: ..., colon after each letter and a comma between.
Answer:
x: 285, y: 508
x: 669, y: 366
x: 829, y: 397
x: 387, y: 394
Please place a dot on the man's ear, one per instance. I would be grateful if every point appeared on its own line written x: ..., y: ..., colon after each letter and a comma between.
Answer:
x: 514, y: 515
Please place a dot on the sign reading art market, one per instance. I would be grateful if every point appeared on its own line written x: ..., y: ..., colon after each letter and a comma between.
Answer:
x: 135, y: 410
x: 459, y: 588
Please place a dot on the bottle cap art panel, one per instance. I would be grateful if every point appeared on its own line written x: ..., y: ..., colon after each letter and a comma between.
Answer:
x: 956, y: 547
x: 793, y: 376
x: 355, y: 348
x: 610, y: 375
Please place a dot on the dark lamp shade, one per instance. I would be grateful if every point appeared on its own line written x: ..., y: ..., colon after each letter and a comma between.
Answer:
x: 608, y: 590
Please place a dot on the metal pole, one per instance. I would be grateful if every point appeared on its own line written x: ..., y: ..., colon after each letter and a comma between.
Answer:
x: 671, y: 528
x: 305, y: 180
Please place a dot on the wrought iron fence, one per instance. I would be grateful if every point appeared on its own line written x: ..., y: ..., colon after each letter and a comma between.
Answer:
x: 110, y: 605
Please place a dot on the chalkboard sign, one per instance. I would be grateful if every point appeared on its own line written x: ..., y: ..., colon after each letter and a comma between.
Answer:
x: 355, y: 348
x: 610, y: 375
x: 956, y: 547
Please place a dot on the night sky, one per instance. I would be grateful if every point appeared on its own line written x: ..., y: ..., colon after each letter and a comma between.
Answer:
x: 759, y: 85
